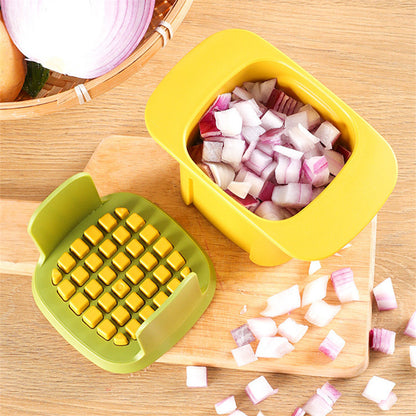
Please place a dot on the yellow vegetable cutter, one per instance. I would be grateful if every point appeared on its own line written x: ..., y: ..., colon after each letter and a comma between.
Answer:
x: 228, y: 59
x: 117, y: 277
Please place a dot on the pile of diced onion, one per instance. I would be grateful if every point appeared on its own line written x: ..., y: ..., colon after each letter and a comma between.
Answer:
x: 267, y: 150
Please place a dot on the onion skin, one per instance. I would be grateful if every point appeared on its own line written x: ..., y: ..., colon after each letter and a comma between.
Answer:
x: 12, y: 66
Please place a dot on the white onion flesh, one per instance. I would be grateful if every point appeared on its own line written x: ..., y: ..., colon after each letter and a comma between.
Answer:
x: 298, y: 412
x: 378, y: 389
x: 344, y: 285
x: 410, y: 329
x: 321, y: 313
x: 382, y: 340
x: 262, y: 327
x: 244, y: 355
x: 282, y: 302
x: 293, y: 331
x: 315, y: 290
x: 389, y: 402
x: 196, y: 376
x: 226, y: 406
x: 259, y: 389
x: 412, y: 354
x: 384, y: 295
x: 332, y: 345
x: 273, y: 347
x: 91, y: 39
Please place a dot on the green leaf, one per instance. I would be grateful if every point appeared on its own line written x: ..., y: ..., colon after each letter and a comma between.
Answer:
x: 36, y: 77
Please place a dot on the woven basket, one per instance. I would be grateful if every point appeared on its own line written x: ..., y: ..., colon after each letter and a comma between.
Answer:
x: 62, y: 91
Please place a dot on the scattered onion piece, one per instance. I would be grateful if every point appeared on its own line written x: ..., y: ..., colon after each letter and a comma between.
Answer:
x: 382, y: 340
x: 317, y: 406
x: 344, y: 285
x: 314, y: 266
x: 321, y: 313
x: 93, y: 37
x: 411, y: 326
x: 244, y: 355
x: 292, y: 330
x: 298, y: 412
x: 332, y: 345
x: 237, y: 413
x: 262, y: 327
x: 196, y: 376
x: 259, y: 389
x: 389, y: 402
x: 412, y: 353
x: 282, y: 302
x: 384, y: 295
x: 378, y: 389
x: 226, y: 406
x: 243, y: 310
x: 329, y: 393
x: 273, y: 347
x: 242, y: 335
x: 315, y: 290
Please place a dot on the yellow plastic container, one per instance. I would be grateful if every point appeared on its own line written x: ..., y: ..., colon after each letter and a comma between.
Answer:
x: 224, y: 61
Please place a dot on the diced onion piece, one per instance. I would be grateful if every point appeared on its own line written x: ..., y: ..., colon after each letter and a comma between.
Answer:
x: 272, y: 136
x: 247, y: 113
x: 378, y: 389
x: 273, y: 347
x: 382, y: 340
x: 287, y: 151
x: 259, y: 389
x: 292, y: 195
x: 301, y: 139
x: 226, y: 406
x: 344, y: 285
x: 242, y: 335
x: 270, y: 211
x: 211, y: 151
x: 196, y: 376
x: 266, y: 88
x: 298, y: 118
x: 314, y: 266
x: 327, y: 134
x: 242, y: 93
x: 298, y: 412
x: 315, y: 171
x: 241, y: 189
x: 293, y: 331
x: 317, y: 406
x: 262, y: 327
x: 233, y: 151
x: 258, y: 161
x: 314, y: 291
x: 223, y: 174
x: 243, y: 310
x: 321, y: 313
x: 237, y: 413
x: 249, y: 150
x: 389, y: 402
x: 412, y: 354
x: 335, y: 161
x: 332, y: 345
x: 282, y: 302
x: 252, y: 133
x: 207, y: 124
x: 244, y: 355
x: 269, y: 171
x: 314, y: 119
x: 256, y: 183
x: 384, y: 295
x: 229, y: 122
x: 271, y: 121
x: 329, y: 393
x: 287, y: 170
x: 249, y: 201
x: 411, y: 326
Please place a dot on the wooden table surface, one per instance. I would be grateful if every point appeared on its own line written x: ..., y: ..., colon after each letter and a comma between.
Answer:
x: 365, y: 53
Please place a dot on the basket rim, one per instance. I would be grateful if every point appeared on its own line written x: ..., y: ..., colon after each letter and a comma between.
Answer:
x: 147, y: 49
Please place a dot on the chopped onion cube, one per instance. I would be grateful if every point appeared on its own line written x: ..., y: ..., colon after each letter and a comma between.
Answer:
x: 211, y: 151
x: 298, y: 118
x: 242, y: 335
x: 270, y: 211
x: 262, y: 327
x: 411, y: 326
x: 314, y: 266
x: 259, y: 389
x: 384, y: 295
x: 313, y: 116
x: 321, y: 313
x: 240, y: 189
x: 207, y: 124
x: 248, y: 113
x: 244, y: 355
x: 329, y: 393
x: 287, y: 170
x: 266, y: 88
x: 378, y: 389
x: 315, y: 171
x: 344, y: 285
x: 237, y: 413
x: 273, y: 347
x: 293, y: 195
x: 233, y: 151
x: 412, y: 353
x: 282, y: 302
x: 223, y: 174
x: 258, y: 161
x: 332, y: 345
x: 298, y: 412
x: 335, y: 161
x: 229, y: 122
x: 242, y: 93
x: 382, y: 340
x: 389, y: 402
x: 287, y: 151
x: 256, y: 183
x: 299, y: 139
x: 252, y: 133
x: 292, y: 330
x: 226, y: 406
x: 327, y: 134
x: 196, y: 376
x: 271, y: 121
x: 315, y: 290
x: 317, y: 406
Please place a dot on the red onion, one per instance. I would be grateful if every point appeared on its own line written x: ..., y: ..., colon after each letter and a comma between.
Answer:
x: 259, y: 389
x: 298, y: 412
x: 332, y: 345
x: 317, y: 406
x: 196, y: 376
x: 248, y: 113
x: 327, y: 134
x: 244, y: 355
x: 378, y: 389
x: 411, y: 326
x: 329, y: 393
x: 321, y: 313
x: 212, y: 151
x: 226, y: 406
x: 382, y: 340
x: 242, y: 335
x: 384, y: 295
x: 315, y: 290
x: 314, y: 266
x: 207, y: 124
x: 293, y: 195
x: 239, y: 189
x: 273, y: 347
x: 262, y: 327
x: 271, y: 211
x: 237, y: 413
x: 92, y: 38
x: 412, y: 354
x: 389, y: 402
x: 344, y: 285
x: 292, y: 330
x: 233, y: 151
x: 228, y: 122
x: 282, y: 302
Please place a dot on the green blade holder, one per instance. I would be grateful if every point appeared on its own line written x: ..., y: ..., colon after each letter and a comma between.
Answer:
x: 60, y: 219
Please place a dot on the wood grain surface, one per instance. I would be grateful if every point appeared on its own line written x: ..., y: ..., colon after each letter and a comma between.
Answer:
x: 363, y: 52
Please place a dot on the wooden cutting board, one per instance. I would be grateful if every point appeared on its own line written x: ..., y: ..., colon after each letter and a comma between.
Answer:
x: 139, y: 165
